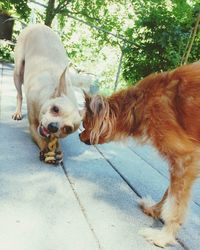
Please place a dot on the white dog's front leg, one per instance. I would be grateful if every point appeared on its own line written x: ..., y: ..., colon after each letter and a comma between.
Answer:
x: 42, y: 144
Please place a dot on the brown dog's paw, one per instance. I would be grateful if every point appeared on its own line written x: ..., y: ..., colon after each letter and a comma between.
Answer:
x: 149, y: 207
x: 151, y: 211
x: 159, y: 238
x: 17, y: 116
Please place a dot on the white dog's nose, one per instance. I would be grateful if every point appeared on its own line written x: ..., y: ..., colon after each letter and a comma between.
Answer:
x: 53, y: 127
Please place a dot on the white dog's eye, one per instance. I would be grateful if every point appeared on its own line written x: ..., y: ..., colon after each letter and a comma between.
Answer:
x: 55, y: 109
x: 67, y: 129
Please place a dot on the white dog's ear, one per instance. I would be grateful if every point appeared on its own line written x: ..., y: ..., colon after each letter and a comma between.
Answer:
x: 63, y: 83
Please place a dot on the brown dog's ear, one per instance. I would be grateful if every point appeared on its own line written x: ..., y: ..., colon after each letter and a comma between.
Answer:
x: 63, y: 82
x: 88, y: 99
x: 97, y: 104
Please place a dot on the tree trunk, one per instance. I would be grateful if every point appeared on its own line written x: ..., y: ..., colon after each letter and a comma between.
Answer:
x: 6, y: 26
x: 119, y: 68
x: 192, y: 39
x: 50, y: 13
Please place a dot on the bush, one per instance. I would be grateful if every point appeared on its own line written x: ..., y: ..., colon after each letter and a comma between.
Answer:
x: 6, y: 53
x: 160, y: 34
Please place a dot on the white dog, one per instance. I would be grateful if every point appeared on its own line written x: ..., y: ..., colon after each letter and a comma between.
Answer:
x: 42, y: 65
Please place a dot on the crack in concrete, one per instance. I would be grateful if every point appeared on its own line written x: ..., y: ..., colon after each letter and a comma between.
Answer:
x: 81, y: 206
x: 134, y: 190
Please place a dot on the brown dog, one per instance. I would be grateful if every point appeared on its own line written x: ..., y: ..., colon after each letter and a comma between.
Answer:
x: 164, y: 108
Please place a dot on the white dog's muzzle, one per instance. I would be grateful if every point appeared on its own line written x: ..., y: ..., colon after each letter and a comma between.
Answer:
x: 43, y: 132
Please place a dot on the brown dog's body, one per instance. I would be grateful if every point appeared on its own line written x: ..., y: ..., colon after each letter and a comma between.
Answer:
x: 165, y: 109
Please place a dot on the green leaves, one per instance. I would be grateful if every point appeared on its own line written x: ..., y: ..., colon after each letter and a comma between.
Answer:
x: 14, y: 7
x: 153, y: 34
x: 161, y: 33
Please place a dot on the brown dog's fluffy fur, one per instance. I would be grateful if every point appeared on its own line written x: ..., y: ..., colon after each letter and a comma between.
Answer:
x: 165, y: 109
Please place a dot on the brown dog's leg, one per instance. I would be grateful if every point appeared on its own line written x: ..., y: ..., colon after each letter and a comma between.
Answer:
x: 153, y: 210
x: 175, y: 205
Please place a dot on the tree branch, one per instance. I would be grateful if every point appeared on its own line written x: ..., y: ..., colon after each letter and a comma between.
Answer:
x: 50, y: 13
x: 192, y: 39
x: 60, y: 7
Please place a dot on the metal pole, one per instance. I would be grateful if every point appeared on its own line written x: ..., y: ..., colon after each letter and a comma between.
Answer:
x: 195, y: 30
x: 119, y: 68
x: 1, y: 85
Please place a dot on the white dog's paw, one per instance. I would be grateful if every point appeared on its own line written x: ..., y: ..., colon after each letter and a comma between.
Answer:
x: 17, y: 116
x: 54, y: 158
x: 157, y: 237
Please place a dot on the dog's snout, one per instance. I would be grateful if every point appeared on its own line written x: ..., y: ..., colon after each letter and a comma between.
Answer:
x: 87, y: 142
x: 53, y: 127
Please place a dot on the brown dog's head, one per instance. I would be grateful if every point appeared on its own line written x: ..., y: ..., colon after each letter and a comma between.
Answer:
x: 98, y: 121
x: 59, y: 114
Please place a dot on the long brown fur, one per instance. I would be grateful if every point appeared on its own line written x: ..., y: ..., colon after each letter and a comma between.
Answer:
x: 165, y: 109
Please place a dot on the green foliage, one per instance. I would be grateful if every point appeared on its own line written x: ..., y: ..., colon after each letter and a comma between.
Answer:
x: 16, y: 8
x: 6, y: 53
x: 160, y: 34
x: 155, y: 34
x: 84, y: 50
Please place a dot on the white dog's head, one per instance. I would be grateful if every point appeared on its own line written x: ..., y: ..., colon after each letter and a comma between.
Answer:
x: 59, y: 115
